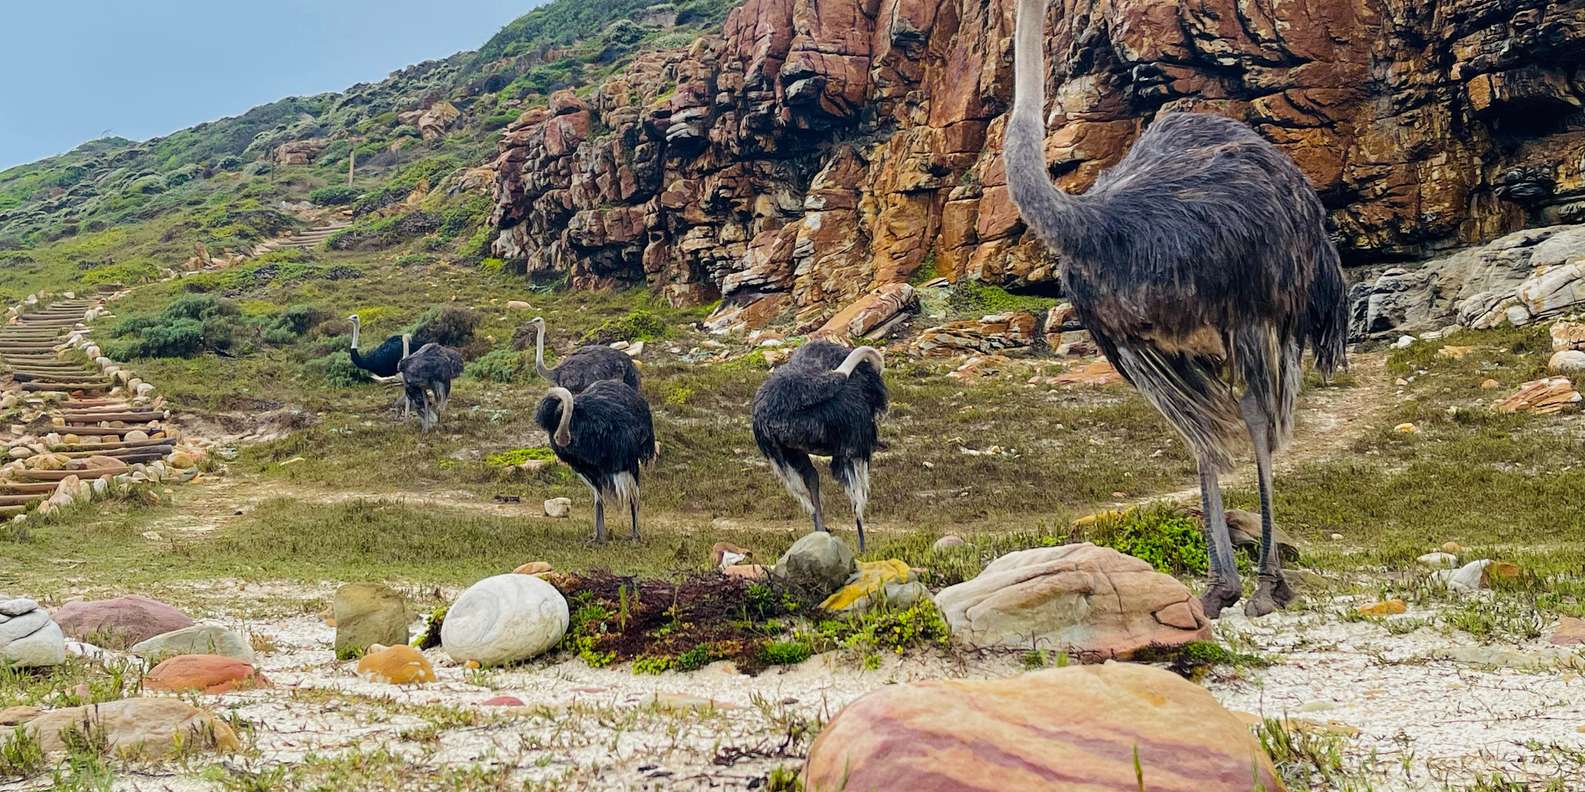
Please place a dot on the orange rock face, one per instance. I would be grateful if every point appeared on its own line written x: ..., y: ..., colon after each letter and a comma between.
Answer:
x: 823, y: 150
x: 1076, y: 729
x: 203, y: 673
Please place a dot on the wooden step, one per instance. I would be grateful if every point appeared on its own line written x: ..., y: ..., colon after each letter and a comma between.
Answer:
x: 14, y: 487
x: 12, y: 511
x: 89, y: 449
x: 159, y: 449
x: 150, y: 415
x: 102, y: 431
x: 22, y: 500
x: 66, y: 386
x: 62, y: 475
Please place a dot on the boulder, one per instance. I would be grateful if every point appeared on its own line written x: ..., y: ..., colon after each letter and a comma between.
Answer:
x: 946, y: 543
x: 368, y: 614
x: 1092, y: 602
x: 29, y: 638
x: 148, y: 727
x: 1568, y: 363
x: 534, y: 568
x: 1570, y: 631
x: 121, y: 622
x: 1243, y: 527
x: 198, y: 639
x: 869, y: 313
x: 989, y: 334
x: 815, y: 565
x: 558, y: 507
x: 396, y: 665
x: 1100, y: 728
x: 890, y: 581
x: 203, y: 673
x: 1543, y: 396
x: 504, y: 619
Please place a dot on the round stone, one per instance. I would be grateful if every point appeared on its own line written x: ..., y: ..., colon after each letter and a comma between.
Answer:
x: 504, y: 619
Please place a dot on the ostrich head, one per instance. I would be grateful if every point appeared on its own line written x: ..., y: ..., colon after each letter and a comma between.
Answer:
x: 563, y: 434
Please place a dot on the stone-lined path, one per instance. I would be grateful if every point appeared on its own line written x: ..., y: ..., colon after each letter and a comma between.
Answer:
x: 87, y: 425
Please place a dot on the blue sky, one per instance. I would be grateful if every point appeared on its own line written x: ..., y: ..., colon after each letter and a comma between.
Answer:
x: 73, y: 70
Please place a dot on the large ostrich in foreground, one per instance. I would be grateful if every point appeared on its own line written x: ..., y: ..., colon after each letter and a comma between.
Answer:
x: 381, y: 361
x: 583, y: 368
x: 426, y: 377
x: 604, y: 434
x: 824, y: 400
x: 1200, y: 262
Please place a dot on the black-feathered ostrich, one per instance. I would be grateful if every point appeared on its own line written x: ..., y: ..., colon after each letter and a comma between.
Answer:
x: 583, y: 368
x: 426, y: 379
x: 1200, y: 263
x: 382, y: 360
x: 824, y: 400
x: 604, y: 434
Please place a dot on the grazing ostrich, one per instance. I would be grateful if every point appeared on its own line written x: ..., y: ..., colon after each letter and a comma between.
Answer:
x: 426, y: 377
x: 584, y: 367
x: 824, y: 400
x: 381, y: 361
x: 603, y: 434
x: 1200, y: 263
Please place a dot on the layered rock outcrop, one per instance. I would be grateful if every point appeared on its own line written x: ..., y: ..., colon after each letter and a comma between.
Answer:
x: 814, y: 151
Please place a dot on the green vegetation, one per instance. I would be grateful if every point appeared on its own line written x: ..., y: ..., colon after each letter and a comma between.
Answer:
x: 1168, y: 538
x: 334, y: 195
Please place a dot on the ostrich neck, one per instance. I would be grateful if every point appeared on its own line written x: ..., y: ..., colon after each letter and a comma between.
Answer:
x: 354, y: 334
x: 539, y: 353
x: 858, y: 356
x: 1060, y: 219
x: 563, y: 429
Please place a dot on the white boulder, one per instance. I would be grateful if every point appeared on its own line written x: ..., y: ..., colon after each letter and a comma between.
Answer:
x: 504, y: 619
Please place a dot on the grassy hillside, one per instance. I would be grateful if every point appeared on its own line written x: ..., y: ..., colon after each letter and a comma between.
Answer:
x: 115, y: 210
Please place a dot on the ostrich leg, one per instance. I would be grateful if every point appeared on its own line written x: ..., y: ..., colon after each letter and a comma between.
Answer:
x: 599, y: 518
x: 1273, y: 591
x: 798, y: 474
x: 1225, y: 588
x: 632, y: 508
x: 854, y: 476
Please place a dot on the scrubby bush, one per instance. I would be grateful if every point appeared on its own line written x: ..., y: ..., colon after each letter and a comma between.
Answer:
x: 335, y: 369
x: 636, y: 325
x: 1167, y: 537
x: 334, y: 196
x: 449, y: 325
x: 498, y: 365
x: 291, y: 324
x: 188, y: 326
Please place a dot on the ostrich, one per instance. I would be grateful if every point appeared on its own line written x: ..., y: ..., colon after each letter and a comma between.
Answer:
x: 824, y: 400
x: 381, y: 361
x: 603, y: 434
x: 428, y: 373
x: 584, y: 367
x: 1201, y: 264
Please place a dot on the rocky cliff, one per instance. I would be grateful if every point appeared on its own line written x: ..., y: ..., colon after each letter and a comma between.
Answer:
x: 817, y: 149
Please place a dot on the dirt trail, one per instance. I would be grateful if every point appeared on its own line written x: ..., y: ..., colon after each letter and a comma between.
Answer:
x: 1329, y: 421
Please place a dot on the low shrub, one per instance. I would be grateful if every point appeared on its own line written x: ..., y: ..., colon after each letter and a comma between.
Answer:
x: 334, y: 196
x: 636, y: 325
x: 498, y: 365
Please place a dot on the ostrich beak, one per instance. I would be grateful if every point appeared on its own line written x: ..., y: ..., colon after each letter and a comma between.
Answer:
x: 563, y: 438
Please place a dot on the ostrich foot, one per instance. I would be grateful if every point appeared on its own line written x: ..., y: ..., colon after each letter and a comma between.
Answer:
x: 1271, y: 595
x: 1219, y: 596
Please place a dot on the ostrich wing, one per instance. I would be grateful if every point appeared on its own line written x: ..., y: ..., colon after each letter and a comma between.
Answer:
x: 594, y: 363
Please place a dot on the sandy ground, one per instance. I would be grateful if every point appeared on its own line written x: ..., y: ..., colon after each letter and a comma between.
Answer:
x: 1412, y: 716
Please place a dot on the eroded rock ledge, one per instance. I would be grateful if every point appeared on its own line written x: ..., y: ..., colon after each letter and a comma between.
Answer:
x: 813, y: 152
